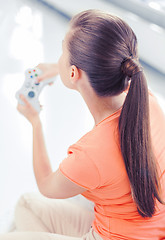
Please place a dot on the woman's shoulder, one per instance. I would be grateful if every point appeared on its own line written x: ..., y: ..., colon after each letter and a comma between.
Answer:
x: 100, y: 135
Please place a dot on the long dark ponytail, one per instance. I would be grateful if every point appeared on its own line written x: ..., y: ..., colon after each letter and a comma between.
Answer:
x: 105, y: 47
x: 135, y: 141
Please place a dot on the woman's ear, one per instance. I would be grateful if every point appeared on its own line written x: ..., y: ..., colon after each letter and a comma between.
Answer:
x: 74, y: 74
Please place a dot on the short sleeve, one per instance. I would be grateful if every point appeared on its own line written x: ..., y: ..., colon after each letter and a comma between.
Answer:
x: 80, y: 169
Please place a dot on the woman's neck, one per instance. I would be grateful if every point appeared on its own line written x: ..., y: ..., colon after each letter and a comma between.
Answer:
x: 100, y: 107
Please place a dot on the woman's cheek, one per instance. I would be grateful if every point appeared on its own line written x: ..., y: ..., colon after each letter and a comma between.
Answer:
x: 60, y: 68
x: 64, y: 72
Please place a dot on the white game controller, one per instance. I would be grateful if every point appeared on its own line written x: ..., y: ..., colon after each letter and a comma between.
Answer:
x: 31, y: 88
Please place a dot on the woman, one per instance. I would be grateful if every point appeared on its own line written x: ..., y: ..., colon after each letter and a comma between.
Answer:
x: 120, y: 164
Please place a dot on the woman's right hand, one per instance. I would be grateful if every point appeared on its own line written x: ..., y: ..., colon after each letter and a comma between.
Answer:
x: 49, y: 70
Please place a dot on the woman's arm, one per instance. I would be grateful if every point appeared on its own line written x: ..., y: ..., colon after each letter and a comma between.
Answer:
x: 51, y: 184
x: 41, y: 164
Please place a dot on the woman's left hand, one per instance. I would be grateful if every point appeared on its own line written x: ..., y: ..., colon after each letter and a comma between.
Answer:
x: 28, y: 111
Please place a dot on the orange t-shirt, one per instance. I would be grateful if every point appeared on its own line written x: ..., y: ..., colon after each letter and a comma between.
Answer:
x: 95, y: 163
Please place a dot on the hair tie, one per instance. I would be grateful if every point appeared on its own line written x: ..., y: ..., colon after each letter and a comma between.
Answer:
x: 130, y: 66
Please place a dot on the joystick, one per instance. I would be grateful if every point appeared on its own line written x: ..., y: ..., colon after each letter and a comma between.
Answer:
x: 31, y: 88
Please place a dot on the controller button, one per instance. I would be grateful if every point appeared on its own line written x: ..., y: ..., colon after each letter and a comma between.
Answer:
x: 29, y: 71
x: 31, y: 94
x: 31, y: 76
x: 27, y: 84
x: 37, y: 83
x: 36, y: 75
x: 34, y: 70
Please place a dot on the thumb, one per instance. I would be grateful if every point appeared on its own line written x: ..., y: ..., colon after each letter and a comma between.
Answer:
x: 41, y: 77
x: 44, y: 76
x: 23, y: 98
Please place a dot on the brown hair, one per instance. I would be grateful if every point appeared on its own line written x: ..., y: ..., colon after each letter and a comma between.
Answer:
x: 105, y: 47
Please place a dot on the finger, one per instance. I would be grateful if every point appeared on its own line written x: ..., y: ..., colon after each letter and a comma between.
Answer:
x: 44, y: 76
x: 51, y: 83
x: 22, y: 97
x: 39, y: 65
x: 40, y: 78
x: 19, y: 107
